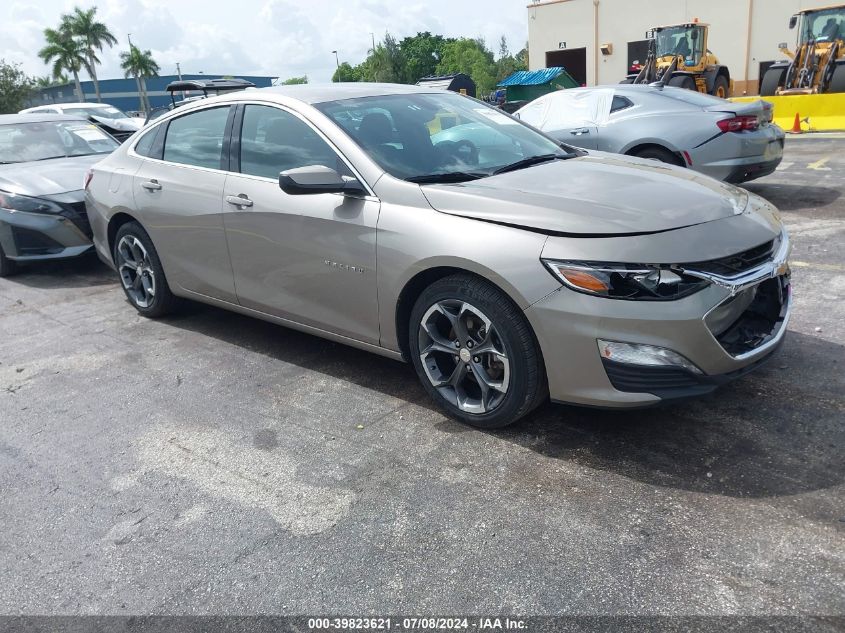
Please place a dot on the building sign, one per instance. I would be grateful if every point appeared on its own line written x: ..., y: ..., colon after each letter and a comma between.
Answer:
x: 561, y: 44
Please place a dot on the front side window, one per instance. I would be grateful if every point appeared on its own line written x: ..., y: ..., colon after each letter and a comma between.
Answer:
x: 420, y: 136
x: 197, y: 138
x: 274, y: 140
x: 826, y: 25
x: 24, y: 142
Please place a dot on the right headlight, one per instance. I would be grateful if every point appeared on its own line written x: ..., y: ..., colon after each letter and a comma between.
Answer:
x: 626, y: 281
x: 27, y: 204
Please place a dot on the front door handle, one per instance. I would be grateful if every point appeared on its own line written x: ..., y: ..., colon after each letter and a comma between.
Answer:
x: 241, y: 200
x: 151, y: 185
x: 580, y: 131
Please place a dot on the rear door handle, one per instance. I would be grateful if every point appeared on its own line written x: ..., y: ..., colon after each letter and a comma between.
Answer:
x: 580, y: 131
x: 151, y: 185
x: 241, y: 200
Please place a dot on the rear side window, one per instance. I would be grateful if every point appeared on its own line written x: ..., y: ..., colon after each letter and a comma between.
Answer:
x: 274, y: 140
x: 197, y: 138
x: 147, y: 145
x: 620, y: 103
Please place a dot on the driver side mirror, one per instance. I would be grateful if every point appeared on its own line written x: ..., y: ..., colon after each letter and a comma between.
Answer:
x: 318, y: 179
x: 793, y: 21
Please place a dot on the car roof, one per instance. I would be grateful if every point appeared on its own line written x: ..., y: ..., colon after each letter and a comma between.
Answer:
x: 35, y: 117
x: 319, y: 93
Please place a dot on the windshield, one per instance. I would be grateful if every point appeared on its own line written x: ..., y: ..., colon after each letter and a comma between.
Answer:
x: 439, y: 137
x: 105, y: 112
x: 25, y: 142
x: 823, y: 26
x: 686, y: 41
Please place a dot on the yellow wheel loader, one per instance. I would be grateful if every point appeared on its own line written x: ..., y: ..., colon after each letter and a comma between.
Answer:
x: 678, y: 56
x: 818, y: 63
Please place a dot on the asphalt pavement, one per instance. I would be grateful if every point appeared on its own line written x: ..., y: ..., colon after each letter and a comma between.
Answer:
x: 212, y: 463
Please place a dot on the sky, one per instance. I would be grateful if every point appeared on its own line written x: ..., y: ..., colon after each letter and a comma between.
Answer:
x: 284, y: 38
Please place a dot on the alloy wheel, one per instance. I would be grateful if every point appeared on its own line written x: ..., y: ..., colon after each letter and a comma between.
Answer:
x: 136, y: 271
x: 463, y: 356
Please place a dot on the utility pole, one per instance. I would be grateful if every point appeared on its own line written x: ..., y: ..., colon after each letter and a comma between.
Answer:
x: 178, y: 71
x: 373, y: 35
x: 336, y: 58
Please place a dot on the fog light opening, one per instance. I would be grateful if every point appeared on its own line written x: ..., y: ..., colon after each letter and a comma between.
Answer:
x: 645, y: 355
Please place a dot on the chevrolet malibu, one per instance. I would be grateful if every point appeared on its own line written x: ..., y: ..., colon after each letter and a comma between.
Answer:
x: 506, y: 272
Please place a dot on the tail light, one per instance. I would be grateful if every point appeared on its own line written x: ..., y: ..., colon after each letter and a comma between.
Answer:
x: 739, y: 124
x: 88, y: 176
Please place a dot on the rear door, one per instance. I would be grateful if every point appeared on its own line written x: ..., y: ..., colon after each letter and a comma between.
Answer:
x: 308, y: 258
x: 179, y: 197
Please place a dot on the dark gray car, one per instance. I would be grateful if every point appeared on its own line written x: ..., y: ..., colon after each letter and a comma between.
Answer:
x: 43, y: 162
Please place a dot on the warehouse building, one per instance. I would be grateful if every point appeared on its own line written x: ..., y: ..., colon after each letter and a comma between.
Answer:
x: 597, y: 41
x: 123, y: 93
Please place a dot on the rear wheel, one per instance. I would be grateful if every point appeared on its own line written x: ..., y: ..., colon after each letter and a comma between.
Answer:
x: 141, y: 273
x: 7, y: 266
x: 658, y: 153
x: 837, y: 82
x: 772, y: 80
x: 475, y: 353
x: 683, y: 81
x: 721, y: 87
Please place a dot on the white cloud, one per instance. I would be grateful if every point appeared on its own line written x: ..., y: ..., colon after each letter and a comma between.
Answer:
x: 274, y: 37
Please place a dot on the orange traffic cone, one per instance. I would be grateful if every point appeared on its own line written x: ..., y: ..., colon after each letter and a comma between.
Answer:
x: 796, y: 126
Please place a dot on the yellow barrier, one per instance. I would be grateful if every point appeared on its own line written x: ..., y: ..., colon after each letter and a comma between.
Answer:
x: 818, y: 113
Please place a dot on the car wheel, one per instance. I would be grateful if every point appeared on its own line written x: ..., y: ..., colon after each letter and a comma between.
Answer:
x: 475, y: 353
x: 8, y: 267
x: 721, y: 87
x: 141, y: 274
x: 658, y: 153
x: 683, y: 81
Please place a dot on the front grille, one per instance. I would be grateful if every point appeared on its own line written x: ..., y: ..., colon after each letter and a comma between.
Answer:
x: 736, y: 264
x: 79, y: 217
x: 761, y: 321
x: 29, y: 242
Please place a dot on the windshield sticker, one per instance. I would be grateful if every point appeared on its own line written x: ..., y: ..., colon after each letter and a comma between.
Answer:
x: 90, y: 133
x: 496, y: 117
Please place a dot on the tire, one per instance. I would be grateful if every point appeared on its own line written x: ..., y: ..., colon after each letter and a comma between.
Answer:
x: 510, y: 362
x: 837, y: 82
x: 8, y: 267
x: 721, y: 87
x: 147, y: 290
x: 683, y: 81
x: 772, y: 80
x: 658, y: 153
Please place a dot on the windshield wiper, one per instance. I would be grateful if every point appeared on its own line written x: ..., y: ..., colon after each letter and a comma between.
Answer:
x: 532, y: 160
x: 447, y: 177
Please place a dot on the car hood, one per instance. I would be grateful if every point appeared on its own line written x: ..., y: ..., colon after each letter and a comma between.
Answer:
x: 47, y: 177
x: 124, y: 125
x: 596, y: 194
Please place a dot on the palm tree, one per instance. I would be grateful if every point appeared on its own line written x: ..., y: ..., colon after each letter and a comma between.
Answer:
x: 66, y: 53
x: 139, y: 64
x: 83, y: 24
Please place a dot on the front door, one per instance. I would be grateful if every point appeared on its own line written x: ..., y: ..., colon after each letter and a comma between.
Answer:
x: 308, y: 258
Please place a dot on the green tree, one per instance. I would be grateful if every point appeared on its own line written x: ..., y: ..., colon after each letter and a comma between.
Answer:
x: 471, y: 57
x: 345, y: 72
x: 422, y: 52
x: 386, y: 63
x: 83, y: 25
x: 47, y: 81
x: 140, y: 65
x: 15, y: 88
x: 65, y: 53
x: 294, y: 81
x: 508, y: 64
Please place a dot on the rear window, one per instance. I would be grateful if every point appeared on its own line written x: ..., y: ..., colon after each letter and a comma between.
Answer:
x: 698, y: 99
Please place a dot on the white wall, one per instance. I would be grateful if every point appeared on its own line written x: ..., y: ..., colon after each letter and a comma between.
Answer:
x: 622, y: 21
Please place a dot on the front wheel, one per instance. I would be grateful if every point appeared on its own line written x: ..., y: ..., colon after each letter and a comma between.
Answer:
x: 141, y: 273
x: 683, y: 81
x: 475, y: 353
x: 721, y: 87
